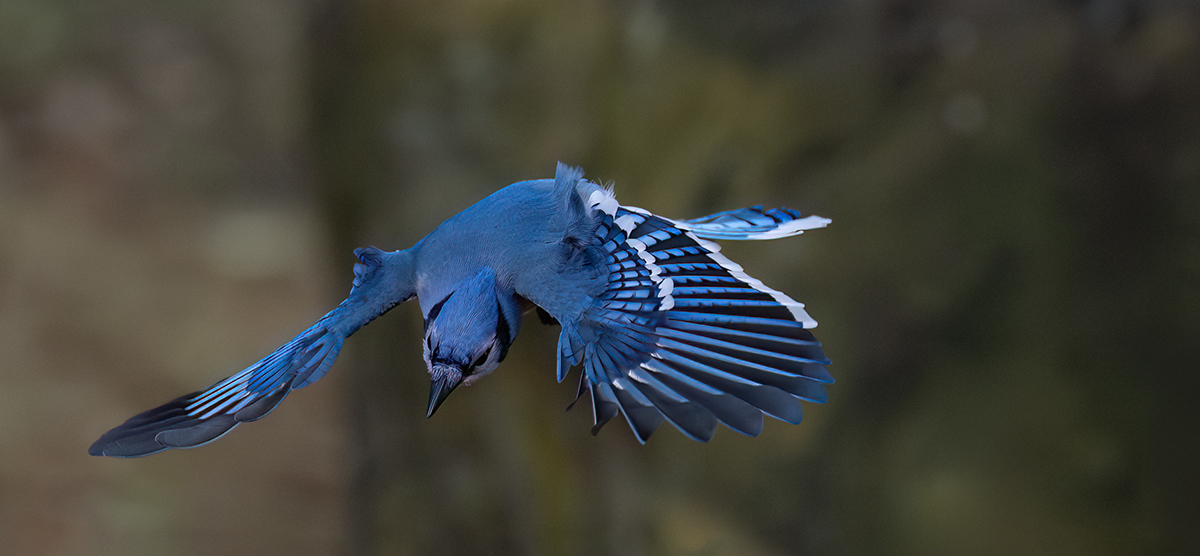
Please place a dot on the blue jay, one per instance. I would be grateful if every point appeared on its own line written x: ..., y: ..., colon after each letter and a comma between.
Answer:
x: 664, y: 326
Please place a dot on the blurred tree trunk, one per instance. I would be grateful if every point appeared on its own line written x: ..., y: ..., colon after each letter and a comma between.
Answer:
x: 348, y: 171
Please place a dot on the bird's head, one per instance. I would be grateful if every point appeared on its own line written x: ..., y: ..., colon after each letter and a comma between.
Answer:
x: 467, y: 334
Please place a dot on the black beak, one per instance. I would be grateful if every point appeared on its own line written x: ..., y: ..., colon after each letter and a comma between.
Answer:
x: 440, y: 390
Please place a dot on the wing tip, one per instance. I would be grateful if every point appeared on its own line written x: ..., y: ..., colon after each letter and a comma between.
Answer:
x: 108, y: 446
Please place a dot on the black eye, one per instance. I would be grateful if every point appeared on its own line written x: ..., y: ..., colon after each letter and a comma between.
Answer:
x: 482, y: 358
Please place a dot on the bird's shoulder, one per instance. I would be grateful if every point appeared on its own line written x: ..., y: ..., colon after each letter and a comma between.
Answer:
x: 534, y: 234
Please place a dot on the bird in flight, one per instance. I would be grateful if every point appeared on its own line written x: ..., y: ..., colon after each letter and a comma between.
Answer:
x: 664, y: 326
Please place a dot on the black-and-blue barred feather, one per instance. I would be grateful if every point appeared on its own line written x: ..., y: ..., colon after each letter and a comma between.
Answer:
x: 683, y: 334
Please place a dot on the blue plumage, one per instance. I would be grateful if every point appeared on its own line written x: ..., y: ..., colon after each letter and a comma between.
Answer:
x: 664, y: 326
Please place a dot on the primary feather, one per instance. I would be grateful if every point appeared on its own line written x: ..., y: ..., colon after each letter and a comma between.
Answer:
x: 664, y: 326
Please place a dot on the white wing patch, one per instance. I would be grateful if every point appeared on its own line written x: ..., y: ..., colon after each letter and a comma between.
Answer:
x: 736, y: 270
x: 663, y: 284
x: 604, y: 201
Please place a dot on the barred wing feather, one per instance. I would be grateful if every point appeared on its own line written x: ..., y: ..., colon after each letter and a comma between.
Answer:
x: 752, y: 223
x: 682, y: 334
x: 204, y: 416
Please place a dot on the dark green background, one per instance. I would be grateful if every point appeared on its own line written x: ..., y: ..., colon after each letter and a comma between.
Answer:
x: 1010, y: 289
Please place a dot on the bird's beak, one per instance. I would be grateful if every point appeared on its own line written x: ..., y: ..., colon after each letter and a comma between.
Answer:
x: 440, y: 389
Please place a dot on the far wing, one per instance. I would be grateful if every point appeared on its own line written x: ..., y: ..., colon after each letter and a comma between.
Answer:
x: 752, y: 223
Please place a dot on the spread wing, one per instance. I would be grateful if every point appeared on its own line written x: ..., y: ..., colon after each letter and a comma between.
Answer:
x: 381, y: 281
x: 682, y: 334
x: 201, y: 417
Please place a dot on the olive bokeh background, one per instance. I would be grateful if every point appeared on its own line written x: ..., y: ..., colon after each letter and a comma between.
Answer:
x: 1010, y: 289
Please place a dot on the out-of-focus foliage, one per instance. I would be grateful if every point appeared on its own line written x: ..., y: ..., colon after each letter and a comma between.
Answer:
x: 1010, y: 290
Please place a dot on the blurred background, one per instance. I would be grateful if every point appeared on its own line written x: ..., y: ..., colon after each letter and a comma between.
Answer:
x: 1010, y: 289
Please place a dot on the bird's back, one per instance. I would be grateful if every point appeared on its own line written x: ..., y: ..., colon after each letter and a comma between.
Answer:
x: 518, y: 232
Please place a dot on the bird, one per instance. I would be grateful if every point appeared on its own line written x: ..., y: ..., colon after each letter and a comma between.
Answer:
x: 664, y: 326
